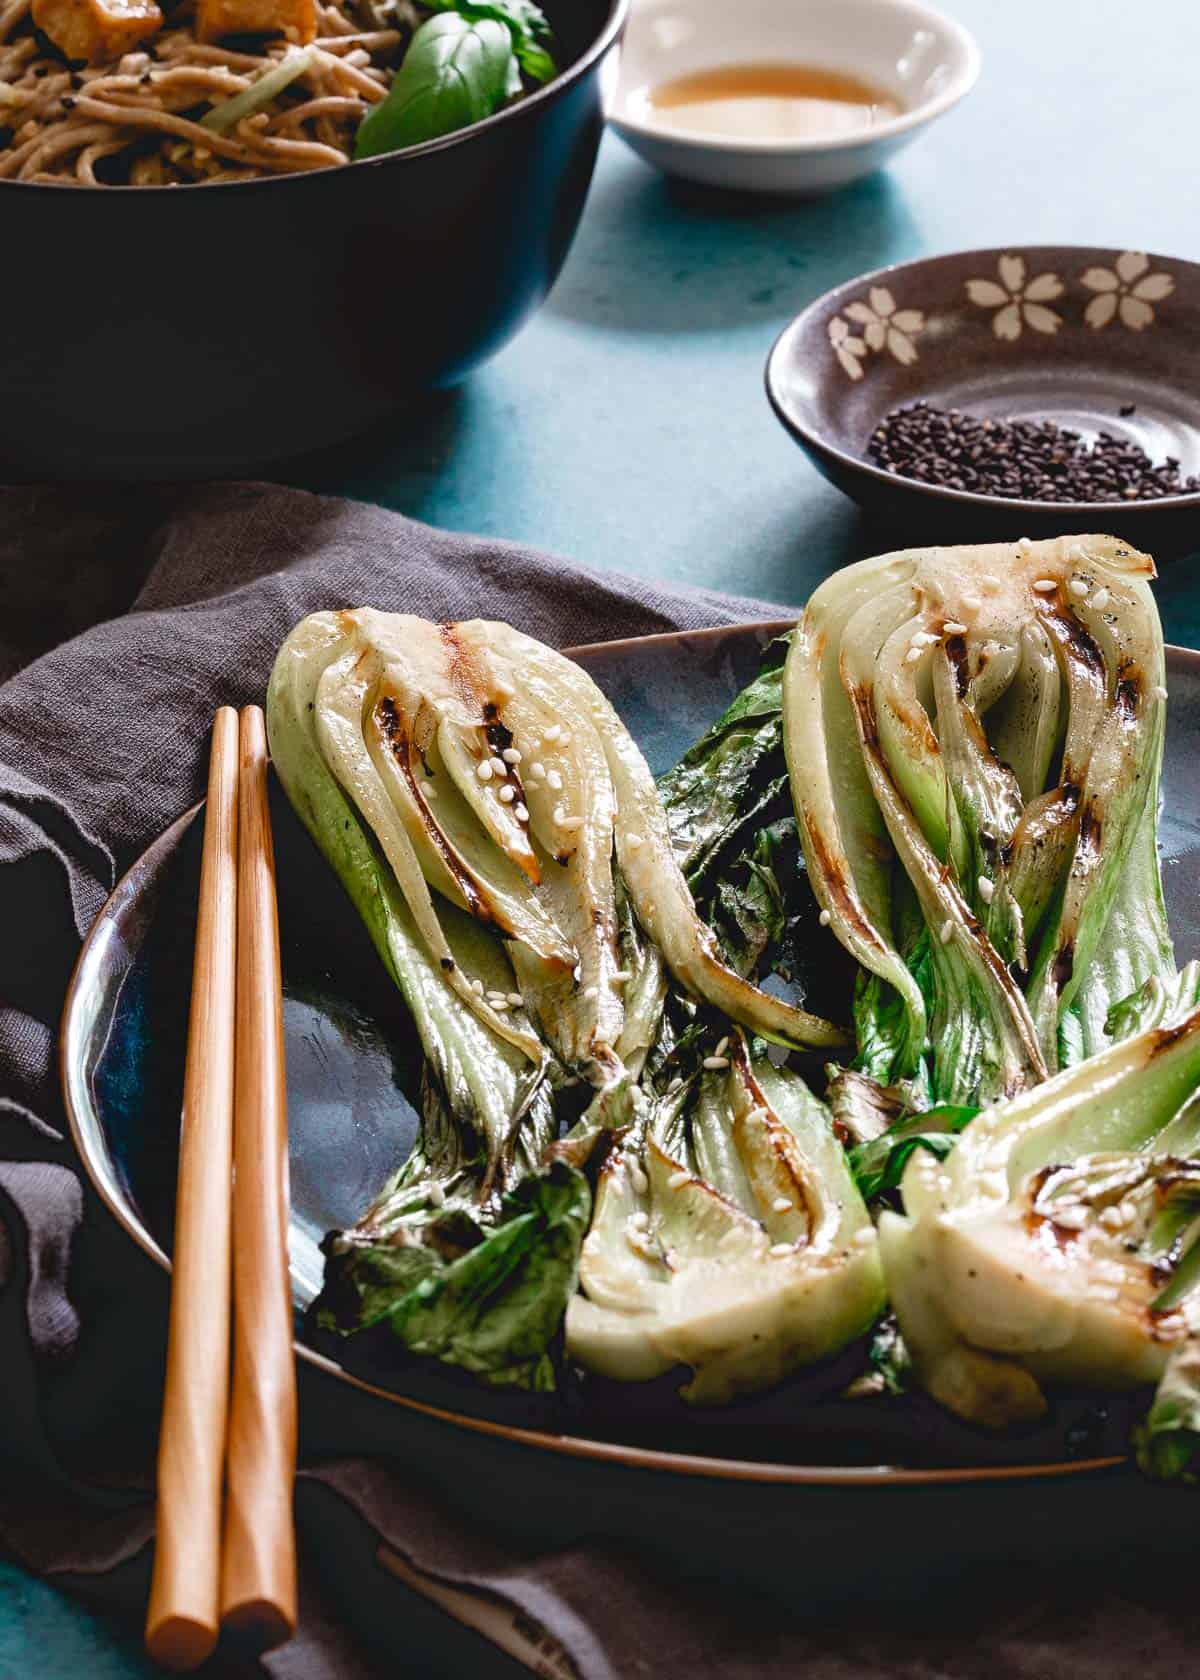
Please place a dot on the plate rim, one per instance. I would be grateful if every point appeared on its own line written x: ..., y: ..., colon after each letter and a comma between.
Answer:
x: 72, y: 1033
x: 976, y: 500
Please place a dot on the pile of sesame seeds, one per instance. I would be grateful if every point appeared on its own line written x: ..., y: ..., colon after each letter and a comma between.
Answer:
x: 1026, y: 460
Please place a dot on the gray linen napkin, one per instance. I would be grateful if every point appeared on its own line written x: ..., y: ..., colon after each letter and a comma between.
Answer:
x: 127, y: 618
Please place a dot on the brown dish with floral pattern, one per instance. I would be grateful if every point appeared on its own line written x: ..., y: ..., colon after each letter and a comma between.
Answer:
x: 1094, y: 339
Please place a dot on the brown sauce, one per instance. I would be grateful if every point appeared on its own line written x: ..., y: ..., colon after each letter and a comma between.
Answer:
x: 767, y: 102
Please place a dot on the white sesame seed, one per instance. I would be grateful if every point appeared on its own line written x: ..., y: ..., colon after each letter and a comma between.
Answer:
x: 971, y: 602
x: 675, y: 1085
x: 865, y: 1237
x: 559, y: 815
x: 911, y: 657
x: 715, y: 1062
x: 677, y: 1180
x: 571, y: 823
x: 778, y: 1250
x: 553, y: 732
x: 554, y: 780
x: 1129, y: 1213
x: 1078, y: 588
x: 991, y: 586
x: 494, y: 992
x: 477, y: 987
x: 1023, y: 546
x: 507, y: 794
x: 515, y: 999
x: 429, y: 789
x: 511, y: 755
x: 591, y: 991
x: 782, y: 1204
x: 825, y: 918
x: 1112, y: 1218
x: 638, y: 1178
x: 437, y: 1195
x: 502, y: 690
x: 484, y: 770
x: 536, y: 771
x: 498, y: 767
x: 1100, y: 599
x: 952, y: 627
x: 499, y: 1004
x: 1044, y: 586
x: 1071, y: 1218
x: 639, y: 1220
x: 946, y: 933
x: 521, y: 812
x: 987, y: 889
x: 633, y: 841
x: 722, y: 1046
x: 1159, y: 692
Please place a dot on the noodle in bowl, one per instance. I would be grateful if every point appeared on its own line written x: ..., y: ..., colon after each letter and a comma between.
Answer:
x: 138, y: 120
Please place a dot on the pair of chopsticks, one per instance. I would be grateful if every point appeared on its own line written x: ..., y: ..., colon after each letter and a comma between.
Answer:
x: 226, y: 1554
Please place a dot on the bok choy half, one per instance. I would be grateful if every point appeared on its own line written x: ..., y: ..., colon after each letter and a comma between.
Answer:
x: 502, y: 838
x: 974, y: 737
x: 1060, y: 1243
x: 728, y: 1235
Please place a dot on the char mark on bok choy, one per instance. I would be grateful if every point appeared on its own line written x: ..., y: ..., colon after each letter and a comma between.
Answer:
x: 503, y: 839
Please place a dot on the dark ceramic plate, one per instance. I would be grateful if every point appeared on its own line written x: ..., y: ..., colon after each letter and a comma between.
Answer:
x: 1060, y: 332
x: 350, y: 1063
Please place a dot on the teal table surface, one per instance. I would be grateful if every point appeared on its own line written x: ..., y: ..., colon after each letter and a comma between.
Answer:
x: 627, y: 426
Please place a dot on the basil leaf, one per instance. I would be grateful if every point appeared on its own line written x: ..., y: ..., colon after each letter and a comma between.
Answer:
x: 455, y: 73
x: 526, y: 23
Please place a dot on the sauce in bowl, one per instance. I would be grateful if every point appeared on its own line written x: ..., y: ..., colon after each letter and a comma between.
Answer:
x: 766, y: 102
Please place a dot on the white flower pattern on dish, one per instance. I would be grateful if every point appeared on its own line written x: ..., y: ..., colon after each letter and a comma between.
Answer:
x: 886, y: 327
x: 1018, y: 301
x: 849, y: 349
x: 1127, y: 289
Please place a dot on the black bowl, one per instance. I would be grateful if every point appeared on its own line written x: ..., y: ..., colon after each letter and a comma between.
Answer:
x: 150, y: 332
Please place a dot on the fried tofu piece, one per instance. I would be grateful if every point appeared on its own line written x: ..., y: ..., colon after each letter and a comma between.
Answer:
x: 295, y: 20
x: 97, y: 31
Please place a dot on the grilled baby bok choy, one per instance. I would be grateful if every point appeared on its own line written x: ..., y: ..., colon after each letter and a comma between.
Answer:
x: 1055, y: 1244
x: 728, y: 1235
x: 502, y: 838
x: 974, y: 737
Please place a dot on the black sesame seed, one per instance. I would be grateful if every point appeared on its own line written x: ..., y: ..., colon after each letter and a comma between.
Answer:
x: 1028, y: 460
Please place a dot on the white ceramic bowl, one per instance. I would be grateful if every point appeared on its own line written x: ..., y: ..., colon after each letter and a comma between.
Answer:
x: 927, y: 62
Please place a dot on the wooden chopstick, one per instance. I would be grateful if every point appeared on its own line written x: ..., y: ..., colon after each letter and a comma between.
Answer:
x: 258, y: 1566
x: 181, y: 1622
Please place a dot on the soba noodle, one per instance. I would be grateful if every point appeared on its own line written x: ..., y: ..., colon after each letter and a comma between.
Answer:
x: 137, y: 121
